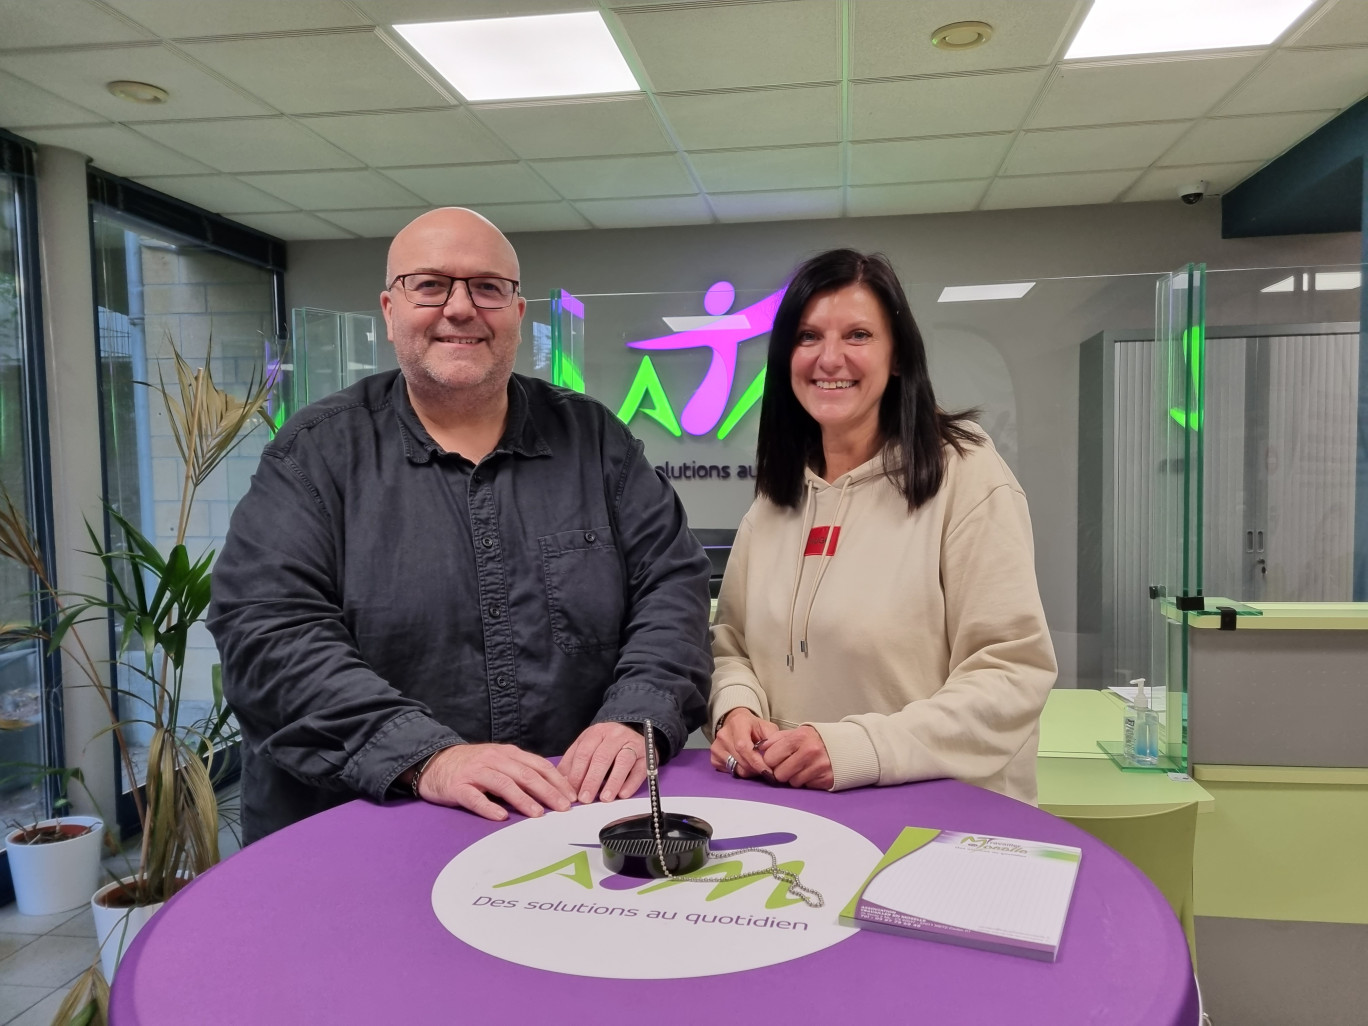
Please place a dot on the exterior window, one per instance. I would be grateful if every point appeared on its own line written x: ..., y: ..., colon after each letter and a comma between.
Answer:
x: 29, y: 699
x: 155, y: 290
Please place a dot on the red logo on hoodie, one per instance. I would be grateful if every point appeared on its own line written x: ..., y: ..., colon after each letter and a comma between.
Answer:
x: 817, y: 541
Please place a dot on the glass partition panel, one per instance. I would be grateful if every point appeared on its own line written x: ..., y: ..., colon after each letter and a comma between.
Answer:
x: 329, y: 350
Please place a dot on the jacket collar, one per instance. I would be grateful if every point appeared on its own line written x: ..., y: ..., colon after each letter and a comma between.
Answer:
x: 521, y: 436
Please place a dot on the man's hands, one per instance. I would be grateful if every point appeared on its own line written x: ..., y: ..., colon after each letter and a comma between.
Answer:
x: 608, y: 761
x: 741, y: 734
x: 465, y: 776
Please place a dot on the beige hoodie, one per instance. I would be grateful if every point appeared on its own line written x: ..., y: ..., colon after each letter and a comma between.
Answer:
x: 916, y: 645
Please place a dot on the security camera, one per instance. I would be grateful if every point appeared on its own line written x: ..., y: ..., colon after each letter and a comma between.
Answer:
x: 1192, y: 193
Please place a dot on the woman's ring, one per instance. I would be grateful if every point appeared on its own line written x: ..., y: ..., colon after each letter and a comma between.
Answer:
x: 731, y: 765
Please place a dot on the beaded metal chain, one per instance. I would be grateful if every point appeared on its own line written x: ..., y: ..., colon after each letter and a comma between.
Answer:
x: 809, y: 896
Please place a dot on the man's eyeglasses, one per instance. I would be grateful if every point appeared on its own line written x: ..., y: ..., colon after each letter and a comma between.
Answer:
x: 429, y: 289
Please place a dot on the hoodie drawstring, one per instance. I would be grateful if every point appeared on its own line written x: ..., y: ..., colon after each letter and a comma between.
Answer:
x: 828, y: 549
x: 809, y: 508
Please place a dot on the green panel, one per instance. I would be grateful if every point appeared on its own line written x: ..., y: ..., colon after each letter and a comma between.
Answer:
x: 1071, y: 787
x: 1283, y: 851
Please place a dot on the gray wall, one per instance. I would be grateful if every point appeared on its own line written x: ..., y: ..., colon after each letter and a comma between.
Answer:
x: 1093, y: 264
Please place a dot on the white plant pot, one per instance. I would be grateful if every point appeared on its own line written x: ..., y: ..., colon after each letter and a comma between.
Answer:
x: 51, y: 878
x: 115, y: 928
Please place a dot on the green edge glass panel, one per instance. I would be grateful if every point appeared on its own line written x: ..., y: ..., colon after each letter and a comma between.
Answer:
x: 567, y: 341
x: 1176, y: 513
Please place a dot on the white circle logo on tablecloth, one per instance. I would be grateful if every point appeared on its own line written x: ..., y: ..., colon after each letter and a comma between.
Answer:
x: 537, y: 893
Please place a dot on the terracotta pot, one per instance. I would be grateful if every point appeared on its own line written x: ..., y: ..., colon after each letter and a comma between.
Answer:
x: 57, y: 876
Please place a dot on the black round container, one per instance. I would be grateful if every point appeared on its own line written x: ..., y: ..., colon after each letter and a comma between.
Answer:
x: 629, y: 845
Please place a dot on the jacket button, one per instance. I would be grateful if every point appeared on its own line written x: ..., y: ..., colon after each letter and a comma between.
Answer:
x: 501, y: 682
x: 589, y: 537
x: 495, y: 612
x: 487, y: 542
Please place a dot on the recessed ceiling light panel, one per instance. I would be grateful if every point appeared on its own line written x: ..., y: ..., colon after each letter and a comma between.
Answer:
x: 976, y: 293
x: 137, y: 92
x: 1121, y: 27
x: 522, y: 58
x: 1335, y: 281
x: 962, y: 35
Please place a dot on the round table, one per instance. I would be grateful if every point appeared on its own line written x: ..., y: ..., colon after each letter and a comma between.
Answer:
x: 331, y: 921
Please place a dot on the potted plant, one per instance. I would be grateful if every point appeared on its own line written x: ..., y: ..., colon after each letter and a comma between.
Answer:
x: 155, y: 600
x: 54, y: 863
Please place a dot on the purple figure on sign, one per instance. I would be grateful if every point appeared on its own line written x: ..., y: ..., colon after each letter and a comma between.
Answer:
x: 723, y: 333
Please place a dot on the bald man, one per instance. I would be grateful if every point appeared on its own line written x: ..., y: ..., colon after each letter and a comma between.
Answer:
x: 443, y: 574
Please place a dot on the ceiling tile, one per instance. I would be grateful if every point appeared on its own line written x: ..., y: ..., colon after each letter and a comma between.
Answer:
x: 372, y: 224
x: 577, y: 128
x: 336, y: 71
x: 117, y: 149
x: 766, y: 117
x: 1163, y: 183
x: 778, y: 206
x: 1303, y: 80
x: 927, y: 160
x: 795, y: 167
x: 293, y: 227
x: 251, y: 144
x: 1227, y: 140
x: 725, y: 47
x: 888, y: 39
x: 400, y: 12
x: 411, y: 137
x: 1091, y: 149
x: 1057, y: 190
x: 942, y: 106
x: 617, y: 177
x: 80, y: 76
x: 61, y: 23
x: 24, y: 104
x: 334, y: 190
x: 642, y: 213
x: 1168, y: 90
x: 174, y: 19
x: 533, y: 217
x: 922, y: 198
x: 1344, y: 22
x: 463, y: 186
x: 222, y: 194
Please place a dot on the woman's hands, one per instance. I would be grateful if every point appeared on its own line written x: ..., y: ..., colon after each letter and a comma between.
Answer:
x: 795, y: 757
x: 799, y: 758
x: 739, y: 738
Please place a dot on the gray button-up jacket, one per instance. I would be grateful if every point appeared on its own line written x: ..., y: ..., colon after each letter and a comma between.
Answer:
x: 378, y: 599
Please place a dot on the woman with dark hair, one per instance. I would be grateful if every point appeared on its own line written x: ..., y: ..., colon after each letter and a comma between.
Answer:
x: 879, y: 621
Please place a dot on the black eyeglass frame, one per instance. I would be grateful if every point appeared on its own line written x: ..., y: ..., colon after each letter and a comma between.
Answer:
x: 451, y: 285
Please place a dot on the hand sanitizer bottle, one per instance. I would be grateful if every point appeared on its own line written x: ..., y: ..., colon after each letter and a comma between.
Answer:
x: 1128, y: 724
x: 1145, y: 734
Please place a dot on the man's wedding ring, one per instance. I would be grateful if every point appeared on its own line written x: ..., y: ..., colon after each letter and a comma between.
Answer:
x: 731, y: 765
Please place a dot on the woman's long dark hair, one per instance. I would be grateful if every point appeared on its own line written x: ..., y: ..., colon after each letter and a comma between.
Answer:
x: 913, y: 429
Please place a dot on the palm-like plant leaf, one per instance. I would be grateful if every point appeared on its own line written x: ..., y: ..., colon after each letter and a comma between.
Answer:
x: 86, y: 1003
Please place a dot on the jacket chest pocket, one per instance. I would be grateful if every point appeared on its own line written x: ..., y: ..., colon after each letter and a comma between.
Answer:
x: 584, y: 589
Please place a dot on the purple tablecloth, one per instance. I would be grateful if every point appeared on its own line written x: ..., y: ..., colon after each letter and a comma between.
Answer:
x: 331, y: 921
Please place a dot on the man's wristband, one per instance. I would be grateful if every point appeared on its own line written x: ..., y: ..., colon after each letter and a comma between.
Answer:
x: 418, y: 773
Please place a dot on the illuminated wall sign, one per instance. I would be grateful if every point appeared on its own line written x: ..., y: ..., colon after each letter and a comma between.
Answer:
x: 721, y: 332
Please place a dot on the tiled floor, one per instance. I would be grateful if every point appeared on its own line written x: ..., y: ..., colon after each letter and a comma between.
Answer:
x: 40, y: 956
